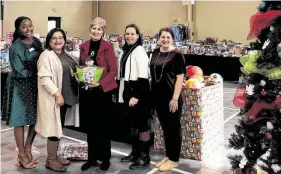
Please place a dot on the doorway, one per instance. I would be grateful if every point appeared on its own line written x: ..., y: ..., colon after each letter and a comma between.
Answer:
x: 54, y: 22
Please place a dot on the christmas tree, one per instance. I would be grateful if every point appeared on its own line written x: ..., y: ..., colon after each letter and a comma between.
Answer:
x: 258, y: 133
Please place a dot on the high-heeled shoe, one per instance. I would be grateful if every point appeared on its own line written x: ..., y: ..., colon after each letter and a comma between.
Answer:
x: 21, y: 163
x: 29, y: 155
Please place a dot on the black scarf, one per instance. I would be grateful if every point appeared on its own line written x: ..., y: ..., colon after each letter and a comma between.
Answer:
x: 127, y: 50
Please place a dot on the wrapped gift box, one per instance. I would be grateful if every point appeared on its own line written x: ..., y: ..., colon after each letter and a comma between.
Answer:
x: 202, y: 123
x: 73, y: 151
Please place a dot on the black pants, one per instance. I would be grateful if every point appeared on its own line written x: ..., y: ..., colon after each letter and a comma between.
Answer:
x: 170, y: 123
x: 94, y: 121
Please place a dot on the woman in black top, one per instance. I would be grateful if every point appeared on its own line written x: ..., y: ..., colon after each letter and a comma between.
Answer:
x: 134, y: 92
x: 167, y: 69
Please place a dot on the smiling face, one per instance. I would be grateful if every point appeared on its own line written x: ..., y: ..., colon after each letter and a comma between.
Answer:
x: 96, y: 32
x: 166, y: 39
x: 131, y: 36
x: 57, y: 41
x: 26, y: 28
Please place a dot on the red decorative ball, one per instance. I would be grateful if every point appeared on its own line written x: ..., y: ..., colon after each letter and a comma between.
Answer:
x: 193, y: 70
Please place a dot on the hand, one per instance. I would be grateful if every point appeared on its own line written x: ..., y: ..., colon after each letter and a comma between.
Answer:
x: 93, y: 85
x: 59, y: 101
x: 173, y: 105
x: 133, y: 101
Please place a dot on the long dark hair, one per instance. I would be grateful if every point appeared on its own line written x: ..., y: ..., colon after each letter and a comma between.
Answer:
x: 139, y: 41
x: 50, y: 35
x: 17, y: 34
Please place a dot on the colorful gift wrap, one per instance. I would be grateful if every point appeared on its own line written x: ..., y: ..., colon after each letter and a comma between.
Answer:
x: 73, y: 151
x: 202, y: 123
x: 89, y: 74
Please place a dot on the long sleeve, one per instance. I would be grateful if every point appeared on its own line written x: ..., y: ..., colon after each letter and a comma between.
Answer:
x: 45, y: 77
x: 112, y: 68
x: 18, y: 65
x: 142, y: 86
x: 142, y: 63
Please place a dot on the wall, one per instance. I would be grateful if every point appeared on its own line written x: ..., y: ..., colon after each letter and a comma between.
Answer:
x: 149, y: 16
x: 75, y: 15
x: 223, y: 19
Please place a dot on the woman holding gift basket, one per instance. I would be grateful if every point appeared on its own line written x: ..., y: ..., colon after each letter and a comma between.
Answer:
x: 57, y: 92
x: 167, y: 69
x: 97, y: 72
x: 134, y: 92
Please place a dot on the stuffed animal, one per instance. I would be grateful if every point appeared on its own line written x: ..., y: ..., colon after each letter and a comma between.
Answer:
x: 193, y: 70
x: 193, y: 83
x: 214, y: 78
x: 198, y: 77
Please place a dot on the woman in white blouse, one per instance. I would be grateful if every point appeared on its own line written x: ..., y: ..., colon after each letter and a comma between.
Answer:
x: 134, y: 92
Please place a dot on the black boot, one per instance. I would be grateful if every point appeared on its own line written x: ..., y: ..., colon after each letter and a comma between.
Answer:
x: 144, y: 159
x: 89, y: 164
x: 135, y: 154
x: 92, y: 162
x: 105, y: 165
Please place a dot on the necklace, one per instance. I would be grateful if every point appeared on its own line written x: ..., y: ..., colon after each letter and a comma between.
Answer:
x: 167, y: 58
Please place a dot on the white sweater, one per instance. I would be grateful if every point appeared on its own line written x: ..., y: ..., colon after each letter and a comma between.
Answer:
x: 137, y: 65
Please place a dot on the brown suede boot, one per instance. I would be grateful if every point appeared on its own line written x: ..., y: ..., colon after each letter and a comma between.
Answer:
x: 52, y: 162
x: 63, y: 161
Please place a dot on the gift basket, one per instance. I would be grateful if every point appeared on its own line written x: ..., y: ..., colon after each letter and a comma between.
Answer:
x: 89, y: 73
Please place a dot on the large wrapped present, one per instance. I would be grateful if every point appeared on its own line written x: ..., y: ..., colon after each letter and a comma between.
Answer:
x: 73, y: 151
x: 202, y: 123
x: 89, y: 74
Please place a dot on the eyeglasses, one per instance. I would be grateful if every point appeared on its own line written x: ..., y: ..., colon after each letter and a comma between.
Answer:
x: 57, y: 38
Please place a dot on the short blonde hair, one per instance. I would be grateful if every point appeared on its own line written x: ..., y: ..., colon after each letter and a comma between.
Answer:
x: 100, y: 21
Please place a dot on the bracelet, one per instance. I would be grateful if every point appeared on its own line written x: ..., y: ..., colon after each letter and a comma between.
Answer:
x: 175, y: 99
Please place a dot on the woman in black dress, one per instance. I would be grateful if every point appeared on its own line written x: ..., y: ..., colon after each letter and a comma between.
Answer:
x: 167, y: 69
x: 134, y: 91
